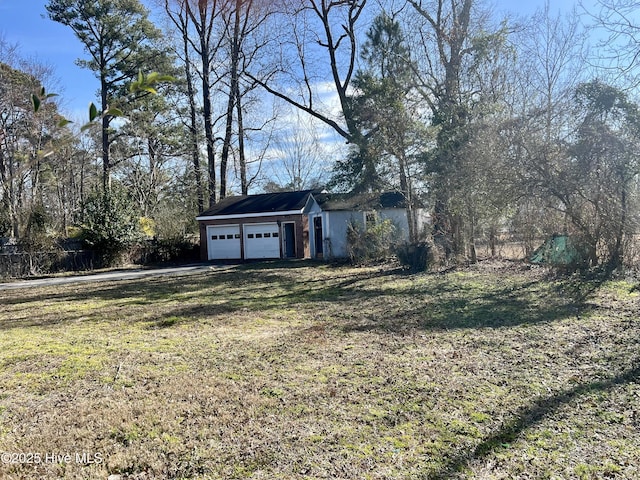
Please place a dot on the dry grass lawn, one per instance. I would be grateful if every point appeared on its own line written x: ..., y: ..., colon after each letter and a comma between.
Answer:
x: 302, y: 371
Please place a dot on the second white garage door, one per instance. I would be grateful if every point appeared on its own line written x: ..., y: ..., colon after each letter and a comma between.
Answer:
x: 262, y: 240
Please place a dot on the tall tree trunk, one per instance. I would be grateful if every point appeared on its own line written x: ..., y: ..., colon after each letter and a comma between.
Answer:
x: 405, y: 188
x: 473, y: 256
x: 226, y: 146
x: 228, y: 137
x: 208, y: 132
x: 233, y: 97
x: 181, y: 21
x: 244, y: 182
x: 193, y: 122
x: 616, y: 257
x: 12, y: 198
x: 204, y: 24
x: 449, y: 110
x: 106, y: 163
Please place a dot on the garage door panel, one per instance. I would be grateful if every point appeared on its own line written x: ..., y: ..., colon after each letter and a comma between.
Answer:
x: 262, y: 240
x: 223, y: 242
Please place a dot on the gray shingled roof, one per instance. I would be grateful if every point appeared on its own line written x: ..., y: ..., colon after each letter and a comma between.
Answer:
x: 262, y: 203
x: 296, y: 201
x: 360, y: 202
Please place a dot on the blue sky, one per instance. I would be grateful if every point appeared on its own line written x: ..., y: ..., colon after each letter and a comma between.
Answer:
x: 25, y: 22
x: 530, y: 6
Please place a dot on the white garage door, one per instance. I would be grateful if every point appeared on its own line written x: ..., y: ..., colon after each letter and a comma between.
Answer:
x: 262, y: 240
x: 223, y: 242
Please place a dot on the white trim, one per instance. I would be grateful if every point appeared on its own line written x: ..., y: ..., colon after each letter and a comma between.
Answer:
x: 250, y: 215
x: 311, y: 206
x: 313, y: 247
x: 259, y: 224
x: 326, y: 236
x: 224, y: 225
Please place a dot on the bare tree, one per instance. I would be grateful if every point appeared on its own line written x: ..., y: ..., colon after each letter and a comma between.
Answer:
x: 24, y: 139
x: 177, y: 12
x: 203, y: 17
x: 299, y: 155
x: 226, y: 37
x: 254, y: 137
x: 245, y: 41
x: 619, y: 52
x: 321, y: 42
x: 73, y: 172
x: 444, y: 34
x: 552, y: 51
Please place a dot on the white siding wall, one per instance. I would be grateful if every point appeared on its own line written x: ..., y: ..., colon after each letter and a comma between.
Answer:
x: 423, y: 219
x: 335, y: 224
x: 336, y: 243
x: 398, y: 217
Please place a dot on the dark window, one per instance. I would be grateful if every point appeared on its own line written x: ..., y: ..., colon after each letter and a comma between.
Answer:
x: 214, y: 237
x: 274, y: 234
x: 267, y: 235
x: 237, y: 235
x: 230, y: 237
x: 250, y: 235
x: 258, y: 235
x: 371, y: 218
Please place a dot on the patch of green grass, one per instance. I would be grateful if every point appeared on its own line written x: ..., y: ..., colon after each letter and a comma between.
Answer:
x: 622, y: 289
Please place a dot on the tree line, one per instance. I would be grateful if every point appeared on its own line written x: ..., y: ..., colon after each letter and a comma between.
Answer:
x: 522, y: 124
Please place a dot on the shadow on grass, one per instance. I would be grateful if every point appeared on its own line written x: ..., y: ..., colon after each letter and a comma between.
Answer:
x: 529, y: 417
x: 450, y: 304
x: 254, y: 287
x: 429, y: 302
x: 30, y: 305
x: 423, y: 302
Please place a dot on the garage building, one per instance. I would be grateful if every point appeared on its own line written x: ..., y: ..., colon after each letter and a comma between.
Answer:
x: 271, y: 225
x: 306, y: 224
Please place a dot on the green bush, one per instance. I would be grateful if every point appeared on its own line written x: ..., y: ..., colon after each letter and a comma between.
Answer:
x: 156, y: 250
x: 371, y: 244
x: 38, y: 235
x: 111, y: 224
x: 5, y: 221
x: 417, y: 257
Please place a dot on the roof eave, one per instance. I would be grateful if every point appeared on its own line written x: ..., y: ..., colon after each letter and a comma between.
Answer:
x: 232, y: 216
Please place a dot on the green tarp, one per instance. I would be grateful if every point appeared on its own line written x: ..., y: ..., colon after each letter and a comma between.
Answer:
x: 557, y: 250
